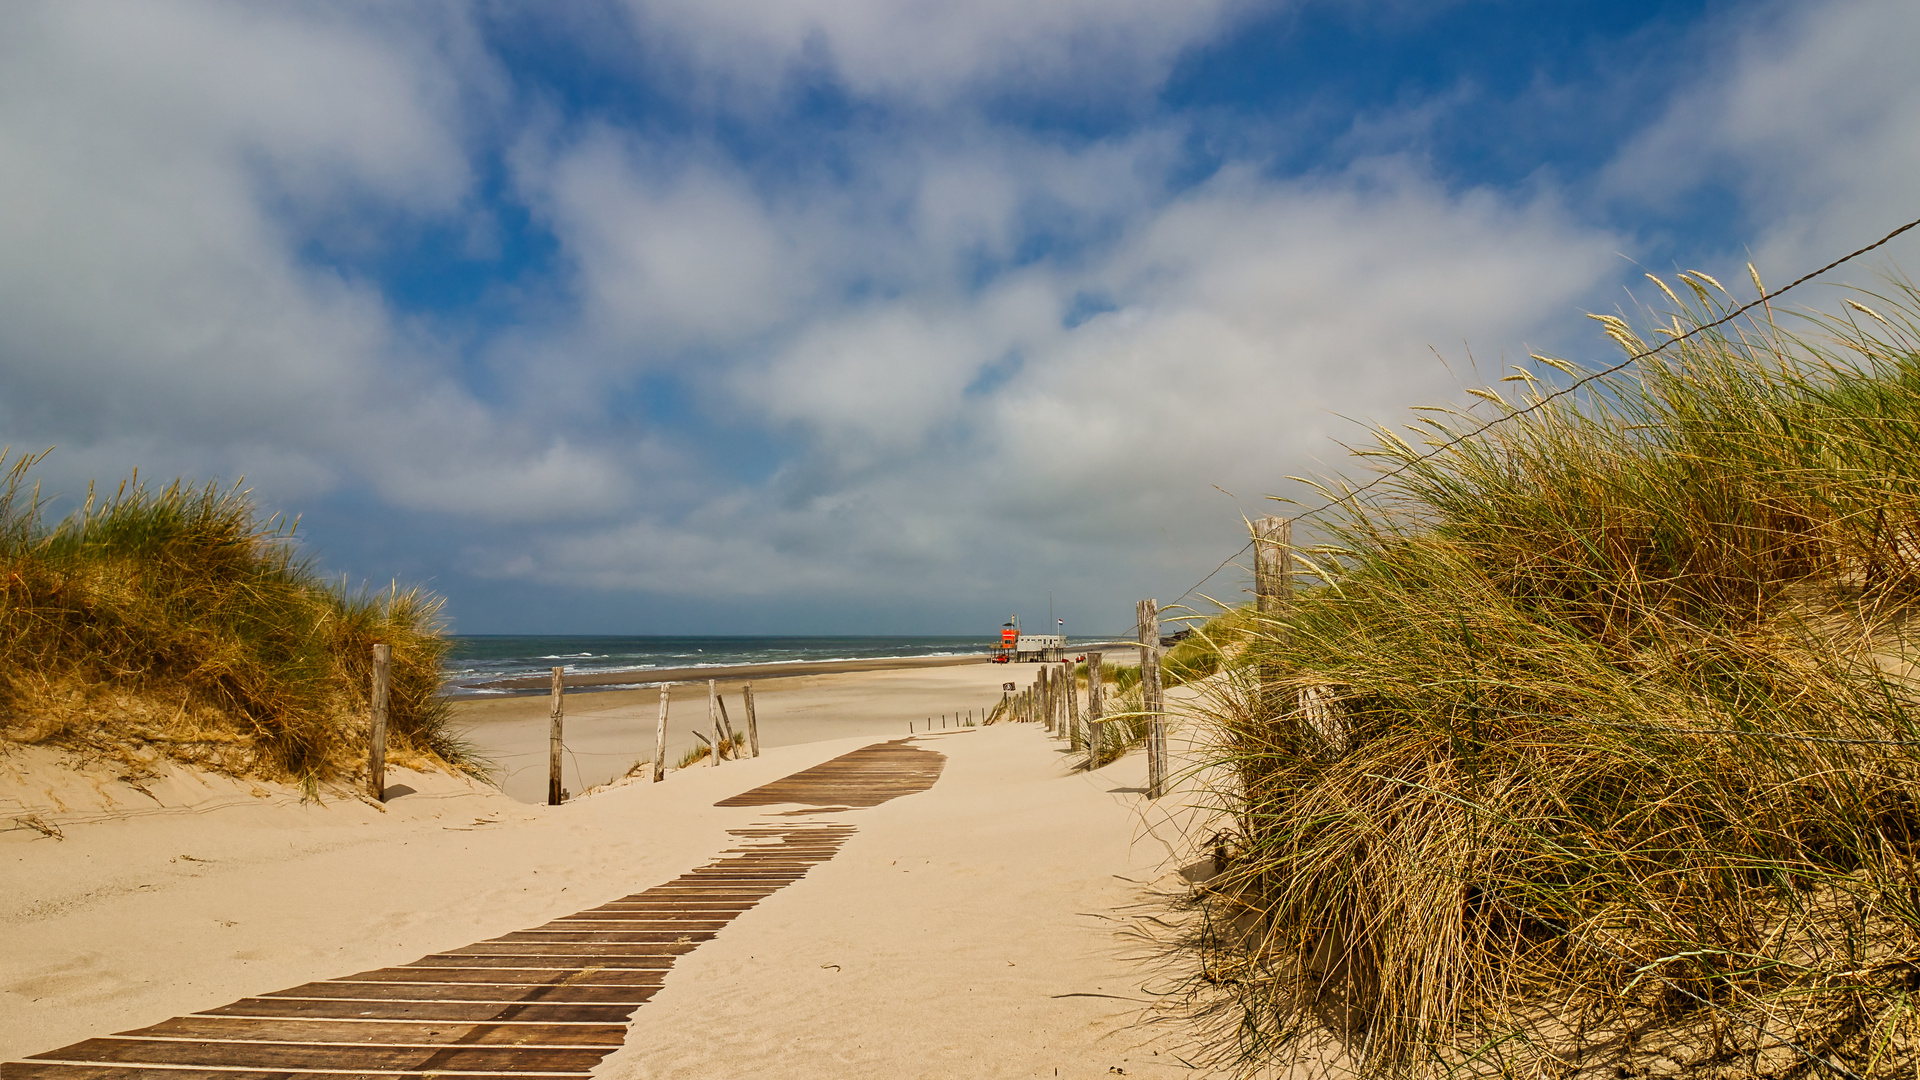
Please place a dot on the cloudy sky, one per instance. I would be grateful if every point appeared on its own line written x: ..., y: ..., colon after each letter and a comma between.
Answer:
x: 888, y: 316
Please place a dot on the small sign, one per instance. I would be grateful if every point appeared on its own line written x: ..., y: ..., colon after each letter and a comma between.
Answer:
x: 1007, y: 686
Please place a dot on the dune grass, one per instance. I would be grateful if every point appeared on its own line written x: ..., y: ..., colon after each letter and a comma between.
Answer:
x: 176, y: 623
x: 730, y: 749
x: 1594, y: 738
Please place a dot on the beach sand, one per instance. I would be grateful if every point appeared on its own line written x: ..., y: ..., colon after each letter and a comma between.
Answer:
x: 983, y: 928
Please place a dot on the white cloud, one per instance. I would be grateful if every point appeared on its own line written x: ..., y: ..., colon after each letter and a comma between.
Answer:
x: 1809, y: 123
x: 961, y: 361
x: 165, y: 167
x: 957, y: 439
x: 671, y: 249
x: 927, y: 51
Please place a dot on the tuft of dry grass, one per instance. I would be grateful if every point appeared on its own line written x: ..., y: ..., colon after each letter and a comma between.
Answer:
x: 175, y: 623
x: 1596, y: 728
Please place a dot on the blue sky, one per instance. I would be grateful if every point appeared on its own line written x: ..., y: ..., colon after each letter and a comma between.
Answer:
x: 866, y: 316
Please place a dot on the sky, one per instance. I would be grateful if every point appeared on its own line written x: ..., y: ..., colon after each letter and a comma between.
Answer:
x: 868, y: 316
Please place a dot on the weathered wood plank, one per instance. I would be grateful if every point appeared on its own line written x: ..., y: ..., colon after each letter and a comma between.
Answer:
x: 380, y: 1033
x: 460, y: 1011
x: 571, y: 975
x: 623, y: 937
x: 43, y: 1070
x: 596, y: 994
x: 330, y: 1057
x: 432, y: 963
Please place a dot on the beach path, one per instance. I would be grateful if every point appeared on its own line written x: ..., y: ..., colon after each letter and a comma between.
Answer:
x: 845, y: 930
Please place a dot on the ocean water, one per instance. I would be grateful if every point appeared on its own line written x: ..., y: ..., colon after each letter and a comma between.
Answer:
x: 478, y: 658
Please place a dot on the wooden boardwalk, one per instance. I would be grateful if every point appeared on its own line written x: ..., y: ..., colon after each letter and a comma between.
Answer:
x: 550, y: 1001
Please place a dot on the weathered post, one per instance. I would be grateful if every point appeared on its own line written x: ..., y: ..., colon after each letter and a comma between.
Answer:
x: 726, y: 727
x: 1096, y: 708
x: 553, y: 735
x: 1272, y: 590
x: 1075, y: 737
x: 753, y: 726
x: 660, y: 736
x: 1045, y: 685
x: 1150, y: 701
x: 713, y: 720
x: 377, y: 722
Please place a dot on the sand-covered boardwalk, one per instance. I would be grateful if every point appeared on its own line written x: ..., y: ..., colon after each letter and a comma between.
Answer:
x: 975, y: 928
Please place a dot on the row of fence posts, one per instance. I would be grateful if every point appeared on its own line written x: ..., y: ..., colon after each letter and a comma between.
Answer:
x: 717, y: 720
x: 1273, y: 588
x: 957, y: 722
x: 1054, y: 701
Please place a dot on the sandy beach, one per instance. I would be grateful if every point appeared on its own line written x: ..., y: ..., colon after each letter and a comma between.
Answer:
x: 607, y: 731
x: 984, y: 927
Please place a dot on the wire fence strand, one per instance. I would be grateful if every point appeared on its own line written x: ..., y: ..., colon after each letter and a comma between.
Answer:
x: 1764, y: 298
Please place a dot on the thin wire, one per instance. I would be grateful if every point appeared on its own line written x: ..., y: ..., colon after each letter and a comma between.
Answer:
x: 1764, y: 298
x: 1223, y: 565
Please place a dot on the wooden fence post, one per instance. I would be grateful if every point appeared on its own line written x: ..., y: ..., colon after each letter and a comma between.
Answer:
x: 726, y: 727
x: 1046, y: 696
x: 1150, y: 699
x: 1096, y: 708
x: 377, y: 722
x: 1272, y: 590
x: 1075, y: 737
x: 753, y: 726
x: 660, y: 736
x: 713, y: 719
x: 553, y: 736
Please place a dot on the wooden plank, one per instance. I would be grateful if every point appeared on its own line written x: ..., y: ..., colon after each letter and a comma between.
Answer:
x: 590, y: 994
x: 431, y: 964
x: 43, y: 1070
x: 584, y: 952
x: 580, y: 975
x: 665, y: 917
x: 616, y: 931
x: 329, y: 1057
x: 380, y: 1033
x: 468, y: 1011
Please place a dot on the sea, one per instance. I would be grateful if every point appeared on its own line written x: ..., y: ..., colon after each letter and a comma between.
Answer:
x: 481, y: 658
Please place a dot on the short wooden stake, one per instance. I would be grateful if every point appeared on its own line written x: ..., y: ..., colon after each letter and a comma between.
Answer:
x: 726, y: 727
x: 660, y: 736
x: 554, y: 742
x: 713, y: 720
x: 753, y: 726
x: 1150, y: 699
x: 1096, y: 708
x: 377, y: 723
x: 1075, y: 737
x: 1273, y: 592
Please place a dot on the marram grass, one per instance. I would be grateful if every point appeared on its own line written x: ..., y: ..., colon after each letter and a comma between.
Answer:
x: 174, y: 623
x: 1593, y: 740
